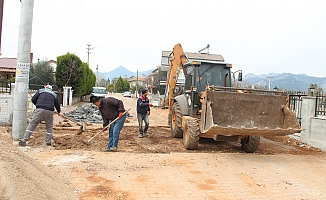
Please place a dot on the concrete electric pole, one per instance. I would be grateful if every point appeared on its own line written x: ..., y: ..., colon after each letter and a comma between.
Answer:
x: 96, y: 75
x: 269, y: 82
x: 88, y: 52
x: 22, y: 69
x: 1, y: 17
x: 137, y: 85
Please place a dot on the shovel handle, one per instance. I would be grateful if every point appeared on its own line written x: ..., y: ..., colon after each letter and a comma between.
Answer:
x: 107, y: 126
x: 63, y: 116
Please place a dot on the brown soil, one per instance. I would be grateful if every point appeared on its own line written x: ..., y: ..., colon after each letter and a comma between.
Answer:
x: 31, y: 178
x: 160, y: 141
x: 22, y: 177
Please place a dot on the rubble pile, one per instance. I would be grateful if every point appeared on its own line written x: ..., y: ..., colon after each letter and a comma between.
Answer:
x: 87, y: 113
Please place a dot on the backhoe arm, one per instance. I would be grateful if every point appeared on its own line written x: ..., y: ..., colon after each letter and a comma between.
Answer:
x: 176, y: 64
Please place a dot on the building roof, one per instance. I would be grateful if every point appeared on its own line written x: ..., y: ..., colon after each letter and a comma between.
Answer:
x: 139, y: 79
x: 197, y: 56
x: 8, y: 64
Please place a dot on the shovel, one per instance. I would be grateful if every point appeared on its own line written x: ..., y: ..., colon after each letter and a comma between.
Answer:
x: 107, y: 126
x: 82, y: 125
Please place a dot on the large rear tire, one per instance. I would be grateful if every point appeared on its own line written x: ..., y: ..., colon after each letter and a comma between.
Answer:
x: 191, y: 134
x: 176, y: 120
x: 250, y: 143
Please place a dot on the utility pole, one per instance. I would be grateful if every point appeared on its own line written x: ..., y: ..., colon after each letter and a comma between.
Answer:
x: 88, y: 52
x: 137, y: 85
x: 233, y: 75
x: 1, y: 17
x: 96, y: 75
x: 269, y: 82
x: 22, y: 69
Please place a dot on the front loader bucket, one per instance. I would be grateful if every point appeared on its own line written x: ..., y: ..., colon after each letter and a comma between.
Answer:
x: 231, y: 113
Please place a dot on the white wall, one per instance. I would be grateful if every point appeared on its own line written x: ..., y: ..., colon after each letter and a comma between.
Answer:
x: 7, y: 107
x: 314, y: 133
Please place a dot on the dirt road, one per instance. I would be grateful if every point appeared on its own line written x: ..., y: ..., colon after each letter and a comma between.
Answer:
x: 158, y: 167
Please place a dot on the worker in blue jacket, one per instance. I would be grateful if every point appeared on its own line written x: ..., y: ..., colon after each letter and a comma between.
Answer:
x: 143, y: 111
x: 45, y: 101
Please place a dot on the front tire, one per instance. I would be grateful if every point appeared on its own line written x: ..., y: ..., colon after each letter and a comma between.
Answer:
x: 191, y: 134
x: 176, y: 120
x: 250, y: 143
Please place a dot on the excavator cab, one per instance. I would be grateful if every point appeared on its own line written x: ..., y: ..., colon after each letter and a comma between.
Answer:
x: 199, y: 75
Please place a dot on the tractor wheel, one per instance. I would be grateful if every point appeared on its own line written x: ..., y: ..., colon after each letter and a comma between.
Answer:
x: 191, y: 134
x: 175, y: 121
x: 169, y: 120
x: 250, y: 143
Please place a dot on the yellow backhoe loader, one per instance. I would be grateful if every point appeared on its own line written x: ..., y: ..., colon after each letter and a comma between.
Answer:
x: 205, y: 105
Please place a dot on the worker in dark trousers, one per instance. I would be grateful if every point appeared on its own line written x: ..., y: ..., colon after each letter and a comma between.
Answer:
x: 143, y: 111
x: 45, y: 101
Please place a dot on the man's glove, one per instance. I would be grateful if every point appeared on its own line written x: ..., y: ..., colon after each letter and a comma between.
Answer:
x: 148, y: 112
x: 120, y: 115
x: 103, y: 129
x: 150, y: 105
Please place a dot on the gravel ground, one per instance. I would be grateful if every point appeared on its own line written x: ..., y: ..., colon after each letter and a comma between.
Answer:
x: 23, y: 176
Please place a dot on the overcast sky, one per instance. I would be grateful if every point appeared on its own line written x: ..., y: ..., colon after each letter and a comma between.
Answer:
x: 256, y: 36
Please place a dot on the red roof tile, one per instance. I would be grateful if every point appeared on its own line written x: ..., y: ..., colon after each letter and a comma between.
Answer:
x: 8, y: 63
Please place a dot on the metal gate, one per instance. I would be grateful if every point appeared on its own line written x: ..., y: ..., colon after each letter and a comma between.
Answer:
x: 295, y: 104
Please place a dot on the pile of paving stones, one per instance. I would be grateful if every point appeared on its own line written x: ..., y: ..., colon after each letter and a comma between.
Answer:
x: 86, y: 113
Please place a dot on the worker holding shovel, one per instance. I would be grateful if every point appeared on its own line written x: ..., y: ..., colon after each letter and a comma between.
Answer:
x: 110, y: 109
x: 45, y: 101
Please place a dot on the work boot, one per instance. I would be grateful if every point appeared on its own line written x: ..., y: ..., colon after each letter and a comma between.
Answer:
x: 145, y: 134
x: 48, y: 144
x: 140, y: 135
x: 21, y: 143
x: 113, y: 149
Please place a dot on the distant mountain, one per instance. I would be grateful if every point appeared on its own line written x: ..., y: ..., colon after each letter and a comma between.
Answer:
x: 121, y: 71
x: 286, y: 81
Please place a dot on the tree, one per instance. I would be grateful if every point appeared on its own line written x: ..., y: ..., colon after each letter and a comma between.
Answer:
x: 134, y: 87
x: 126, y: 85
x: 122, y: 85
x: 71, y: 71
x: 316, y: 91
x: 41, y: 74
x: 110, y: 88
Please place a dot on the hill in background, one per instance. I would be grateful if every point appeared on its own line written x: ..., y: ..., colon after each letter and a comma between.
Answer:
x: 121, y: 71
x: 285, y: 81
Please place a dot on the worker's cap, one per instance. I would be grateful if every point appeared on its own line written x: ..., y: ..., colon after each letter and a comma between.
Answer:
x: 144, y: 91
x: 48, y: 86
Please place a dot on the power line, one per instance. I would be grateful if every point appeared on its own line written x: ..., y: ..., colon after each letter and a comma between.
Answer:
x: 79, y: 20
